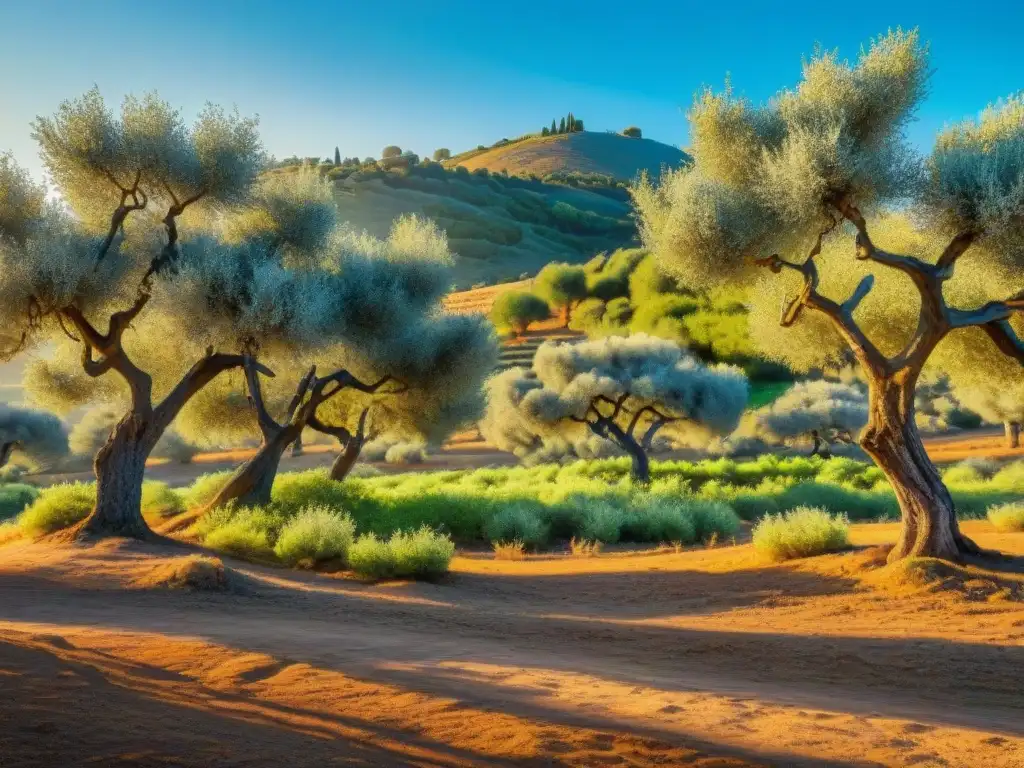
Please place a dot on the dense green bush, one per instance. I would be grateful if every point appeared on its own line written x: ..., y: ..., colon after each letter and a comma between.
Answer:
x: 422, y: 554
x: 517, y: 522
x: 801, y: 532
x: 14, y: 498
x: 632, y: 132
x: 516, y: 310
x: 314, y: 535
x: 58, y: 506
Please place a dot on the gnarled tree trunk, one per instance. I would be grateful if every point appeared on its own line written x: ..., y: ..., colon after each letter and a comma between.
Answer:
x: 120, y: 466
x: 350, y: 454
x: 297, y: 448
x: 253, y: 481
x: 1012, y: 431
x: 891, y: 438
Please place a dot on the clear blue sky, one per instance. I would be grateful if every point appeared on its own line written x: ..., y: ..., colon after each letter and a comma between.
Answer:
x: 457, y: 73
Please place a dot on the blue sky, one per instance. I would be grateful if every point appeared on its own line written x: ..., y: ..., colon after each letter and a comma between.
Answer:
x: 458, y: 73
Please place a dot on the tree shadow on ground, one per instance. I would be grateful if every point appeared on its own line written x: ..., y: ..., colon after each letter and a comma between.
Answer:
x: 62, y: 709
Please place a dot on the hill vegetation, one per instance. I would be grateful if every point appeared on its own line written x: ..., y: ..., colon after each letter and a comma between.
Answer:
x: 587, y: 152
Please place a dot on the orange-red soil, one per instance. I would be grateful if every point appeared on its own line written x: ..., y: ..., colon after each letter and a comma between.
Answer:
x: 704, y: 657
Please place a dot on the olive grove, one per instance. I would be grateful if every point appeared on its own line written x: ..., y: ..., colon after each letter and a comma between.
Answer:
x: 36, y: 436
x: 817, y: 203
x: 622, y: 389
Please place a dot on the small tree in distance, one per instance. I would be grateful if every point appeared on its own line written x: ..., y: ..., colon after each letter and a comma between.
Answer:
x: 391, y: 151
x: 621, y: 389
x: 632, y: 132
x: 562, y: 286
x: 823, y: 412
x: 516, y: 310
x: 37, y: 436
x: 442, y: 154
x: 806, y: 186
x: 337, y: 156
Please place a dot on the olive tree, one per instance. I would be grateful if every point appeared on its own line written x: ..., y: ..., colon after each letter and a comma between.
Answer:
x: 516, y: 310
x: 37, y: 436
x: 864, y: 245
x: 623, y: 389
x: 826, y: 412
x: 374, y: 331
x: 562, y: 286
x: 105, y: 275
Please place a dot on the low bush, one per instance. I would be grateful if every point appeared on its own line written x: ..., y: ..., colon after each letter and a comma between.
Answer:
x: 14, y: 498
x: 245, y: 534
x: 316, y: 534
x: 406, y: 453
x: 58, y: 506
x: 1008, y: 518
x: 204, y: 489
x: 422, y: 554
x: 159, y: 501
x: 519, y: 522
x: 801, y: 532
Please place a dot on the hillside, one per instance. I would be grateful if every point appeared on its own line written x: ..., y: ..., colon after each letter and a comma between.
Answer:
x: 586, y: 152
x: 499, y: 227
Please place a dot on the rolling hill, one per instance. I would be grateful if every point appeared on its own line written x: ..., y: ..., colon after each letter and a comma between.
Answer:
x: 608, y: 154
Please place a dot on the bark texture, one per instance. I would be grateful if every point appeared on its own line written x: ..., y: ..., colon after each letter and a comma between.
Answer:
x: 353, y: 446
x: 253, y: 481
x: 1012, y: 431
x: 891, y: 438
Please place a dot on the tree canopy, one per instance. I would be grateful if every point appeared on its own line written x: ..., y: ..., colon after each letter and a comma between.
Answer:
x: 872, y: 252
x: 620, y: 389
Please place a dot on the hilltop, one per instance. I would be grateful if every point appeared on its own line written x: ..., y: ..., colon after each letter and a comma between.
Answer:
x: 586, y: 152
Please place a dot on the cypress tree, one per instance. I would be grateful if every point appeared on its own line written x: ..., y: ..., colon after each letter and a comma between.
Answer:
x: 337, y: 156
x: 561, y: 126
x: 554, y: 128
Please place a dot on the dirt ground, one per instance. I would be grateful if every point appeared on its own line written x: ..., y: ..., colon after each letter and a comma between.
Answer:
x: 703, y: 657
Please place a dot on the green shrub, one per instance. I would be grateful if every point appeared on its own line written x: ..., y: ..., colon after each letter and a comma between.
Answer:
x: 422, y: 554
x: 517, y: 309
x: 58, y: 506
x: 204, y: 488
x: 1010, y: 477
x: 602, y: 522
x: 315, y: 535
x: 245, y: 534
x: 801, y: 532
x: 295, y: 491
x: 661, y: 520
x: 15, y: 497
x: 712, y: 519
x: 1008, y: 518
x: 371, y: 556
x: 160, y: 501
x: 520, y: 522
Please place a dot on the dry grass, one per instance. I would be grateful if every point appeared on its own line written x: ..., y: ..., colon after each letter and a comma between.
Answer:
x: 509, y: 550
x: 204, y: 574
x: 584, y: 548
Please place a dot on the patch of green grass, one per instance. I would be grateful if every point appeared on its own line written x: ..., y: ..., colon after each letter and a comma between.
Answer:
x: 57, y: 507
x: 159, y: 501
x: 801, y: 532
x: 204, y: 489
x: 518, y: 522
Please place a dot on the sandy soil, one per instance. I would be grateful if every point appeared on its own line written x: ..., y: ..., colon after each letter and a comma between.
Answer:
x: 703, y: 657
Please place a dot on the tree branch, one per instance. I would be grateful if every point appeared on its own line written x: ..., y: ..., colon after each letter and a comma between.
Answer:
x: 117, y: 219
x: 647, y: 409
x: 300, y: 393
x: 342, y: 434
x: 956, y: 248
x: 1005, y: 338
x: 198, y: 376
x: 268, y: 426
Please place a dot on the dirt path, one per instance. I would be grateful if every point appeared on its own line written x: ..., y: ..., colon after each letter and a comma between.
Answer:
x: 698, y: 658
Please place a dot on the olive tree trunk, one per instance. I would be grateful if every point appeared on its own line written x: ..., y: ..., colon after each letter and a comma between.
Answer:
x: 1012, y: 430
x: 120, y: 466
x: 891, y: 438
x: 253, y: 481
